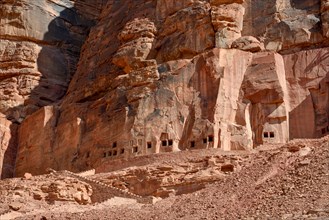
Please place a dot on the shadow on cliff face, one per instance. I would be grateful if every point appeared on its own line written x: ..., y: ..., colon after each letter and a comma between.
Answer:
x: 57, y: 62
x: 8, y: 163
x: 308, y: 5
x: 310, y: 119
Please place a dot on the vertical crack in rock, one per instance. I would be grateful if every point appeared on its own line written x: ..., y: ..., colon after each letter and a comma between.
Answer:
x: 154, y: 76
x: 40, y: 44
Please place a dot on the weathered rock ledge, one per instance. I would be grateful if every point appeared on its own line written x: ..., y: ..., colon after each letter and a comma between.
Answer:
x: 155, y: 76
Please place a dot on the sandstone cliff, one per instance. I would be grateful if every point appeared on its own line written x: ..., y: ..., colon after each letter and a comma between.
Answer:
x: 158, y: 76
x: 40, y: 44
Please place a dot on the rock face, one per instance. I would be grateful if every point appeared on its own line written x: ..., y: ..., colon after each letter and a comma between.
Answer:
x: 160, y: 76
x: 175, y: 178
x: 40, y: 43
x: 8, y: 147
x: 39, y: 47
x: 48, y: 189
x: 286, y: 25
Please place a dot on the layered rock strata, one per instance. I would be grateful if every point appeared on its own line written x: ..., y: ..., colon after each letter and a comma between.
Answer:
x: 40, y: 45
x: 161, y: 76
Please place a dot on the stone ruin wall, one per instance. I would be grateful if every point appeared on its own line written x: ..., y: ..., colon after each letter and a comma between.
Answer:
x: 163, y: 76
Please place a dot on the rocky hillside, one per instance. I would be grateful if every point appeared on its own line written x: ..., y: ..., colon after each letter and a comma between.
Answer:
x: 90, y: 84
x: 288, y: 181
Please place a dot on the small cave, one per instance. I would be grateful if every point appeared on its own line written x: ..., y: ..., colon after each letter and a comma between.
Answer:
x: 164, y: 143
x: 265, y: 135
x: 270, y: 134
x: 227, y: 168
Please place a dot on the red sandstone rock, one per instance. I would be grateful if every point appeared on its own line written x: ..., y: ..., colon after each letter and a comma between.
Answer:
x: 248, y: 43
x: 220, y: 2
x: 15, y: 206
x: 150, y: 80
x: 325, y: 17
x: 39, y: 49
x: 227, y: 20
x: 27, y: 176
x: 8, y: 147
x: 160, y: 76
x: 274, y: 176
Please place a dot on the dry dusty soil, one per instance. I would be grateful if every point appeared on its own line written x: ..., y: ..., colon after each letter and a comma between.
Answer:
x: 288, y: 181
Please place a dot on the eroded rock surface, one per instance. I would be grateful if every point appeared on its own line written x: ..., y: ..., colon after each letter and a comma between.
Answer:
x: 8, y: 147
x: 193, y: 184
x: 40, y: 44
x: 156, y: 76
x: 40, y: 191
x: 162, y: 180
x: 285, y: 25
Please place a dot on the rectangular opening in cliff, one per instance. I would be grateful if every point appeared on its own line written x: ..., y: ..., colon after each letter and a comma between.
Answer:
x: 192, y: 144
x: 135, y: 149
x: 114, y: 145
x: 115, y: 153
x: 149, y: 145
x: 210, y: 138
x: 270, y: 134
x: 122, y: 151
x: 265, y: 134
x: 164, y: 143
x: 205, y: 140
x: 170, y: 142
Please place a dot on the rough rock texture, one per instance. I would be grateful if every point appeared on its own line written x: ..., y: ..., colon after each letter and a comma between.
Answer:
x: 325, y: 17
x: 307, y: 82
x: 175, y: 177
x: 40, y: 45
x: 40, y: 191
x: 103, y: 80
x: 227, y: 20
x: 273, y: 181
x: 8, y: 147
x: 285, y: 25
x: 161, y: 76
x: 248, y: 43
